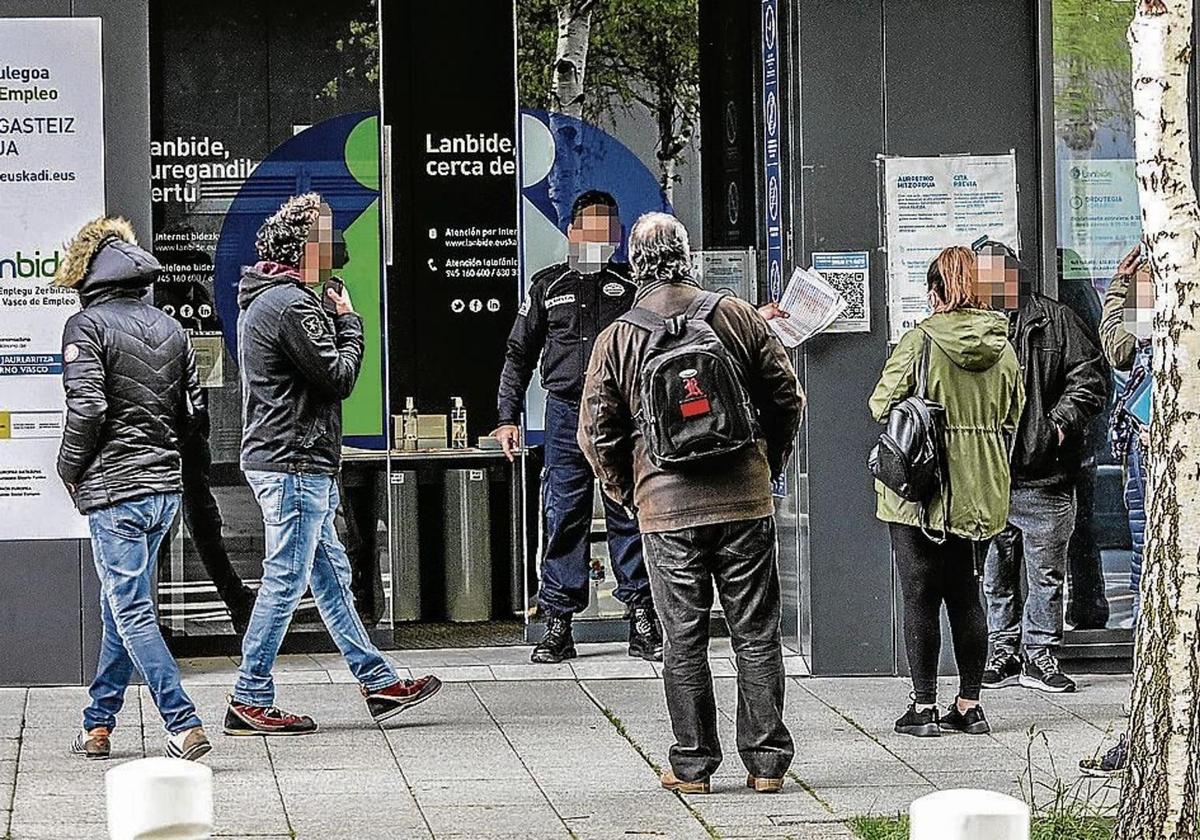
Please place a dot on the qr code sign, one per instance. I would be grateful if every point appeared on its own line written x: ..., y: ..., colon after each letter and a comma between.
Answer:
x: 849, y: 285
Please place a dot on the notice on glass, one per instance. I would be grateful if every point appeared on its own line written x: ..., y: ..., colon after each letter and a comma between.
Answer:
x: 931, y: 203
x: 1103, y: 218
x: 52, y: 180
x: 850, y: 273
x: 811, y: 304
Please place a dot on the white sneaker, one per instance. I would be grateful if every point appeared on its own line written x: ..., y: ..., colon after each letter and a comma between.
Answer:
x: 189, y: 745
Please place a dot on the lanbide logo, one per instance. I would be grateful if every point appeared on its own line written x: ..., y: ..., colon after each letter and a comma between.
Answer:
x: 23, y: 266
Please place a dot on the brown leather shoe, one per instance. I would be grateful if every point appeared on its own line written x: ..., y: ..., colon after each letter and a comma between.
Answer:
x: 93, y: 744
x: 189, y: 745
x: 671, y: 782
x: 762, y: 785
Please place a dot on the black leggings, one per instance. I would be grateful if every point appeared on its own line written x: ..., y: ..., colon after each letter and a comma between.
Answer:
x: 931, y: 574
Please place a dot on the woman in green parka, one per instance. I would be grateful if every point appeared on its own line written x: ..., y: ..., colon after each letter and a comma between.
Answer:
x: 973, y: 373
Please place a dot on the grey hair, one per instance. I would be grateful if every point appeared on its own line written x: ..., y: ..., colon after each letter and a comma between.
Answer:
x: 282, y: 236
x: 658, y: 249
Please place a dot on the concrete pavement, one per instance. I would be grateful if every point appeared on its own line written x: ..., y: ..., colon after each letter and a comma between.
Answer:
x: 504, y: 753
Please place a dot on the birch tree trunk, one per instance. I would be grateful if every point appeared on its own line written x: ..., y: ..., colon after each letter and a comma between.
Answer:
x: 1161, y: 796
x: 567, y: 96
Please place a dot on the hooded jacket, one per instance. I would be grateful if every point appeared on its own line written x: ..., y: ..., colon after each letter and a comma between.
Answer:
x: 1066, y: 386
x: 297, y: 365
x: 128, y: 371
x: 736, y: 488
x: 973, y: 373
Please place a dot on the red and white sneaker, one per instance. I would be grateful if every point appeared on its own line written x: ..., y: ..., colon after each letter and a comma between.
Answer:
x: 388, y: 702
x: 241, y: 719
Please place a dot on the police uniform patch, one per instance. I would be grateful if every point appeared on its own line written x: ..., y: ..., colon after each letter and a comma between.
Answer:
x: 70, y: 353
x: 560, y: 300
x: 313, y: 326
x: 613, y: 289
x: 525, y: 306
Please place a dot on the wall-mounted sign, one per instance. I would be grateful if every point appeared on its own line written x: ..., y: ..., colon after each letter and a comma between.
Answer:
x: 732, y: 270
x: 52, y: 181
x: 772, y: 167
x: 931, y: 203
x: 1101, y: 216
x: 850, y: 273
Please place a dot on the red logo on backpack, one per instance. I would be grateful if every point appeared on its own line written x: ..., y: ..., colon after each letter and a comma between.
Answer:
x: 695, y: 402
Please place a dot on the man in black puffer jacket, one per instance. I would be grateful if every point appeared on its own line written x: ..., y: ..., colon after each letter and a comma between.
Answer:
x: 131, y: 388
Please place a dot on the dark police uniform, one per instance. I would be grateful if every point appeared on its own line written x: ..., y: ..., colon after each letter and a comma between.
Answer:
x: 558, y: 322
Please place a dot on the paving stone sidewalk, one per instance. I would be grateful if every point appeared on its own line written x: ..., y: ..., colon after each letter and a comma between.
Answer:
x: 511, y: 751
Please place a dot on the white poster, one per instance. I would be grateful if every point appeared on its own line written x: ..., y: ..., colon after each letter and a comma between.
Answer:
x: 931, y: 203
x: 1103, y: 219
x: 52, y: 181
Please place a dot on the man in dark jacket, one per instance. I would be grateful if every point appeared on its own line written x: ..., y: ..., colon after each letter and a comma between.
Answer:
x: 131, y: 388
x: 566, y: 308
x: 297, y: 364
x: 1065, y: 388
x: 713, y: 520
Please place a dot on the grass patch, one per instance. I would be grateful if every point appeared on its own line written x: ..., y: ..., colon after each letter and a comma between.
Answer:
x: 1043, y: 828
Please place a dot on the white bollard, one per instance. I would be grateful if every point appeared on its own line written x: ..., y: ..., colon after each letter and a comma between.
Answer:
x: 968, y: 815
x: 159, y: 798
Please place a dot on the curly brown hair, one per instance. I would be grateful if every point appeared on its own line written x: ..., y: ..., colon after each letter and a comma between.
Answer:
x: 282, y: 236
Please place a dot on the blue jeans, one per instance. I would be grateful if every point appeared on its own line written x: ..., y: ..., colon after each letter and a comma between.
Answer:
x: 303, y: 550
x: 568, y: 487
x: 125, y: 542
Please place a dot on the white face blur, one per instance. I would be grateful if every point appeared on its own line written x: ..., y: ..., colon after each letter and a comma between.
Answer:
x: 593, y: 238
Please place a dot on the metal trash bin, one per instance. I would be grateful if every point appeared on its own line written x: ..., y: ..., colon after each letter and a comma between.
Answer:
x: 468, y: 540
x: 406, y: 547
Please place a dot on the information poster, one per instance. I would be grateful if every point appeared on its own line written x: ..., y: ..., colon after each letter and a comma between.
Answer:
x: 931, y: 203
x: 1103, y: 216
x: 849, y: 272
x: 52, y: 181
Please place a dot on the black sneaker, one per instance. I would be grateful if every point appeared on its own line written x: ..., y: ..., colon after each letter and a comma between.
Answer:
x: 919, y: 724
x: 971, y: 722
x: 557, y: 645
x: 1040, y: 670
x: 1111, y: 764
x: 645, y: 636
x: 1003, y: 669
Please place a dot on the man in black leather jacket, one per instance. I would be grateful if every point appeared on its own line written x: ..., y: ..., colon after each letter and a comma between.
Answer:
x: 131, y: 391
x: 1065, y: 388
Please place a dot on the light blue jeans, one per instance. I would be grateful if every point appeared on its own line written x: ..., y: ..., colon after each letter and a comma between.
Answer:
x: 125, y: 541
x: 303, y: 550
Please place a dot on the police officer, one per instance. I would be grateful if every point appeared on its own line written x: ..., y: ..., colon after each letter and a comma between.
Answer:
x: 568, y: 305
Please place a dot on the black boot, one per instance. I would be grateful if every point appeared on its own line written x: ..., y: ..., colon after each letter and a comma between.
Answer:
x: 645, y: 636
x: 558, y: 644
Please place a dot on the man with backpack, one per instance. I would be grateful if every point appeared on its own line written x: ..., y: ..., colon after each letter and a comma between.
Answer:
x: 690, y: 408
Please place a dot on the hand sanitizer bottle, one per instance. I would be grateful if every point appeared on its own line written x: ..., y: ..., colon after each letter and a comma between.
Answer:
x: 458, y: 425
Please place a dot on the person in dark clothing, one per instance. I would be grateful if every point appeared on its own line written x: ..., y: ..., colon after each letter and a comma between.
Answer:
x: 131, y: 391
x: 297, y: 364
x: 709, y: 522
x: 974, y: 375
x: 1087, y: 600
x: 1065, y: 389
x: 567, y: 307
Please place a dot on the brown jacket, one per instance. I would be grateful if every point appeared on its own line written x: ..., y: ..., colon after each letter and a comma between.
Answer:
x: 737, y: 489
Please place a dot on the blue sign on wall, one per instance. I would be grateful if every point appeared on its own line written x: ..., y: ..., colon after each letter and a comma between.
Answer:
x: 773, y: 186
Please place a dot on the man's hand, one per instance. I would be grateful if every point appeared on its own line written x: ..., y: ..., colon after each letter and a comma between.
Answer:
x: 771, y: 310
x: 510, y: 440
x: 341, y: 300
x: 1131, y: 262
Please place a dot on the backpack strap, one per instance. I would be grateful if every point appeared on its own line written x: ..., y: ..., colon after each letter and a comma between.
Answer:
x: 923, y: 368
x: 643, y: 319
x: 703, y: 306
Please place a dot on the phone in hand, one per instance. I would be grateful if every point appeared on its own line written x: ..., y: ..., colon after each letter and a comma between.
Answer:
x: 327, y: 303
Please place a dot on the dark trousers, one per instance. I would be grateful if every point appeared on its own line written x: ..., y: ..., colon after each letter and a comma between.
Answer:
x: 568, y: 488
x: 203, y: 518
x: 932, y: 575
x: 1087, y: 601
x: 741, y: 558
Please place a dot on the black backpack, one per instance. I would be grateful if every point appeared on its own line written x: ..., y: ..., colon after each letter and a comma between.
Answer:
x: 909, y: 458
x: 694, y: 406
